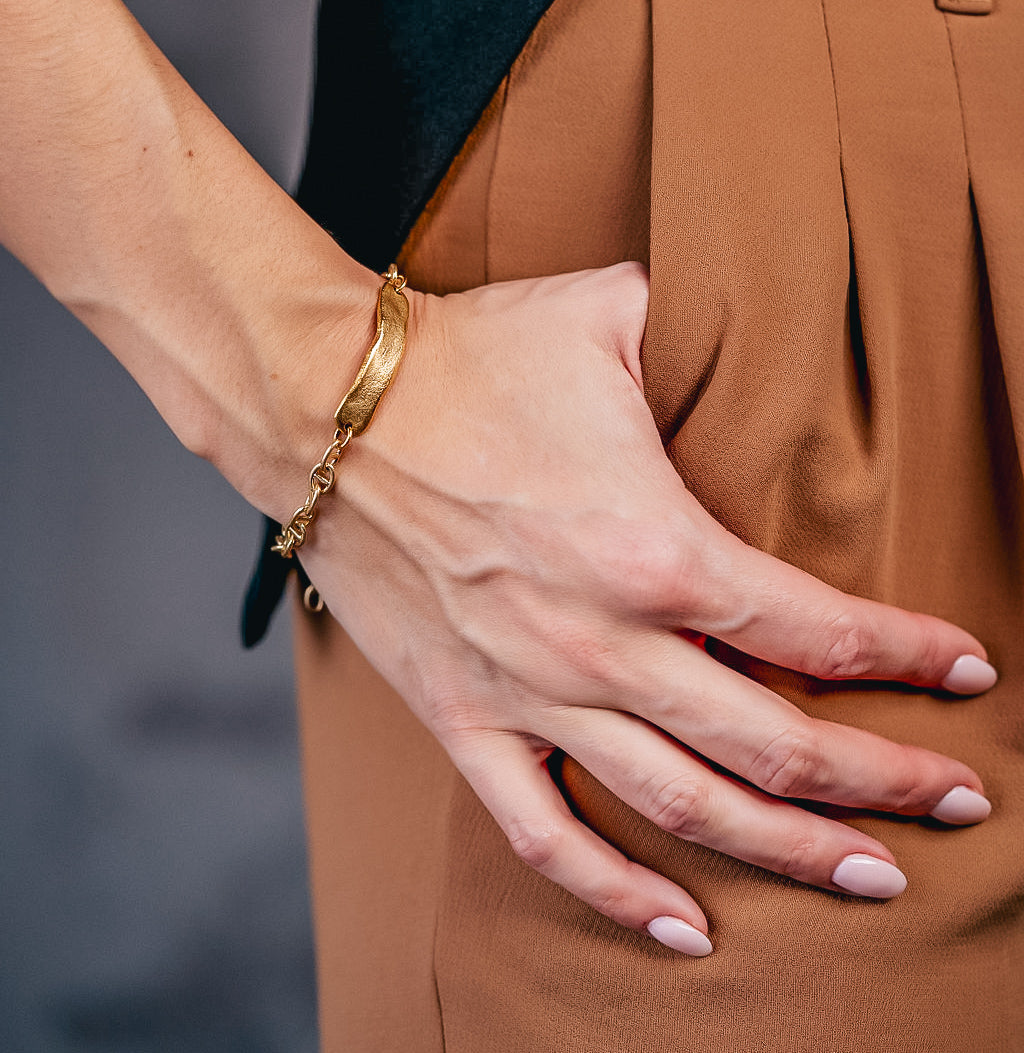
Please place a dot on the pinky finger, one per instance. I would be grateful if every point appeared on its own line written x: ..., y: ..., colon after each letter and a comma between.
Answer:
x: 512, y: 780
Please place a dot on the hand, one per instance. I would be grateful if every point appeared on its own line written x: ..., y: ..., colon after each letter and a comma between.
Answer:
x: 512, y: 549
x: 508, y: 543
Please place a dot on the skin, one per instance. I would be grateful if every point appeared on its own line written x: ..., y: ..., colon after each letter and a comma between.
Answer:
x: 508, y: 542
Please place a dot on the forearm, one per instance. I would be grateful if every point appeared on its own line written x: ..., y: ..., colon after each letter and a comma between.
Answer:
x: 141, y: 213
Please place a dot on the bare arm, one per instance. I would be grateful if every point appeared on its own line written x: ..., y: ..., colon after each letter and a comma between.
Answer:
x: 142, y: 214
x: 519, y: 569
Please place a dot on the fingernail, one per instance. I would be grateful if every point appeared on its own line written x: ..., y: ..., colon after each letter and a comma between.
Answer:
x: 867, y: 876
x: 970, y: 675
x: 676, y: 934
x: 962, y: 806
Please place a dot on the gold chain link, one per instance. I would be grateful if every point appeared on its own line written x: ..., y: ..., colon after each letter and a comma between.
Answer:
x: 321, y: 481
x: 393, y: 278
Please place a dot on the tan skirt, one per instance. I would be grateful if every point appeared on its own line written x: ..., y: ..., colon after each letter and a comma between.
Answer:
x: 831, y: 197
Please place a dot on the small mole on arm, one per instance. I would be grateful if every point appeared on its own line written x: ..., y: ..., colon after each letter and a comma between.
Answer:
x: 191, y: 154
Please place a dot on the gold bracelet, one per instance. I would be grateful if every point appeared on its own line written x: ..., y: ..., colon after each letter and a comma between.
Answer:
x: 356, y: 410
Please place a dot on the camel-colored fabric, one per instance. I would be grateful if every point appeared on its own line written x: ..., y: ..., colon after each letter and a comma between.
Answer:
x: 864, y: 423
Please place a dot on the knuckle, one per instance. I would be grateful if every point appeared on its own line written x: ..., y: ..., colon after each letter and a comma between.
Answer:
x: 632, y: 555
x: 588, y: 655
x: 535, y: 842
x: 632, y: 282
x: 634, y: 271
x: 799, y: 859
x: 654, y: 569
x: 613, y: 903
x: 849, y: 649
x: 909, y: 791
x: 788, y: 766
x: 652, y: 559
x: 702, y: 580
x: 591, y: 658
x: 932, y: 656
x: 679, y: 806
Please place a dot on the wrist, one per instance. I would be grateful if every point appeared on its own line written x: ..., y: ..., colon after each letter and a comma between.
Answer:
x: 271, y: 424
x: 358, y: 406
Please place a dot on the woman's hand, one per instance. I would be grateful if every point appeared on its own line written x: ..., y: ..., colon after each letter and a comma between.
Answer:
x: 512, y: 549
x: 511, y: 546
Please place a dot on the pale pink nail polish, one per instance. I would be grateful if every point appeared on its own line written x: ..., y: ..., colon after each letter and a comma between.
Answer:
x: 865, y: 875
x: 970, y: 675
x: 675, y: 933
x: 961, y: 807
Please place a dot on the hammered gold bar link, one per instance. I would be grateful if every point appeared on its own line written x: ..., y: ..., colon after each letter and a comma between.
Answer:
x: 381, y: 360
x: 356, y: 409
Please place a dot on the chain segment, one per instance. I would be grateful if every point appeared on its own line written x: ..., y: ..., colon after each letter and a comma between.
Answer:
x: 321, y: 481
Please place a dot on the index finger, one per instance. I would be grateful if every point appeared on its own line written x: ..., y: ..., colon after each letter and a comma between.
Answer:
x: 775, y: 611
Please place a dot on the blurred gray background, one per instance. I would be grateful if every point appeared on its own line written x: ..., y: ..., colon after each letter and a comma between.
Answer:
x: 152, y: 871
